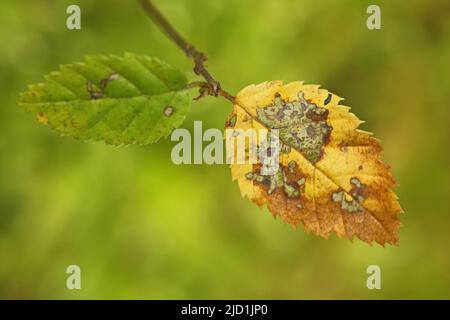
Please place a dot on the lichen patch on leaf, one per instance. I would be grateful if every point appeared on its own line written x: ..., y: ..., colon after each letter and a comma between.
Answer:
x: 302, y: 124
x: 286, y: 180
x: 330, y: 178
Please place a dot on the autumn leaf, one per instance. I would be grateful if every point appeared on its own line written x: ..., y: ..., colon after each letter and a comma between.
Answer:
x: 118, y: 99
x: 330, y: 176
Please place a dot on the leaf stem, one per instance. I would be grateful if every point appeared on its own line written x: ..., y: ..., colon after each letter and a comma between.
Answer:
x: 211, y: 87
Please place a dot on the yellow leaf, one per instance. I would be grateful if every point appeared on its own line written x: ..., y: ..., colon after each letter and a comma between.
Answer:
x: 331, y: 177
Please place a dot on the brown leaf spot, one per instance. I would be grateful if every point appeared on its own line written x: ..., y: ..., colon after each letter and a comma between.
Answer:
x: 317, y: 114
x: 42, y: 118
x: 328, y: 99
x: 93, y: 94
x: 168, y: 111
x: 113, y: 76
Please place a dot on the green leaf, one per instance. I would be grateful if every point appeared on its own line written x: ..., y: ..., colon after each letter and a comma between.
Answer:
x: 121, y: 100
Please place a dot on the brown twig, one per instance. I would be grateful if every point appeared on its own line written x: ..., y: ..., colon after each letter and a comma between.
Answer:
x: 210, y: 87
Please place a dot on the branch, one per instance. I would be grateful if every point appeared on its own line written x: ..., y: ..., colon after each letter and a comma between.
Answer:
x: 211, y: 86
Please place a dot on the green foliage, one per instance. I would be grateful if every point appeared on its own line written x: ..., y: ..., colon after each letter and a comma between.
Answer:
x: 121, y: 100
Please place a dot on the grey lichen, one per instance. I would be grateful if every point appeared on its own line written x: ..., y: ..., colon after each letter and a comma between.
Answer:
x: 292, y: 165
x: 285, y: 149
x: 357, y: 194
x: 302, y: 124
x: 279, y: 181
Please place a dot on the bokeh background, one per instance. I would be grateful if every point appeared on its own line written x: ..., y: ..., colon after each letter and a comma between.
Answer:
x: 141, y: 227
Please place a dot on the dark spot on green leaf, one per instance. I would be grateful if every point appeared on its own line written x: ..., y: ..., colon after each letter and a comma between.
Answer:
x: 111, y: 77
x: 168, y: 111
x: 93, y: 94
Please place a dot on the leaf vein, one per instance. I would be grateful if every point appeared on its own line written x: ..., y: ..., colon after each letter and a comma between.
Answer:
x: 153, y: 73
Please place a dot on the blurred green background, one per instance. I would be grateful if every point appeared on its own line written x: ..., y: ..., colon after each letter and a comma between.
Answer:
x: 142, y: 227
